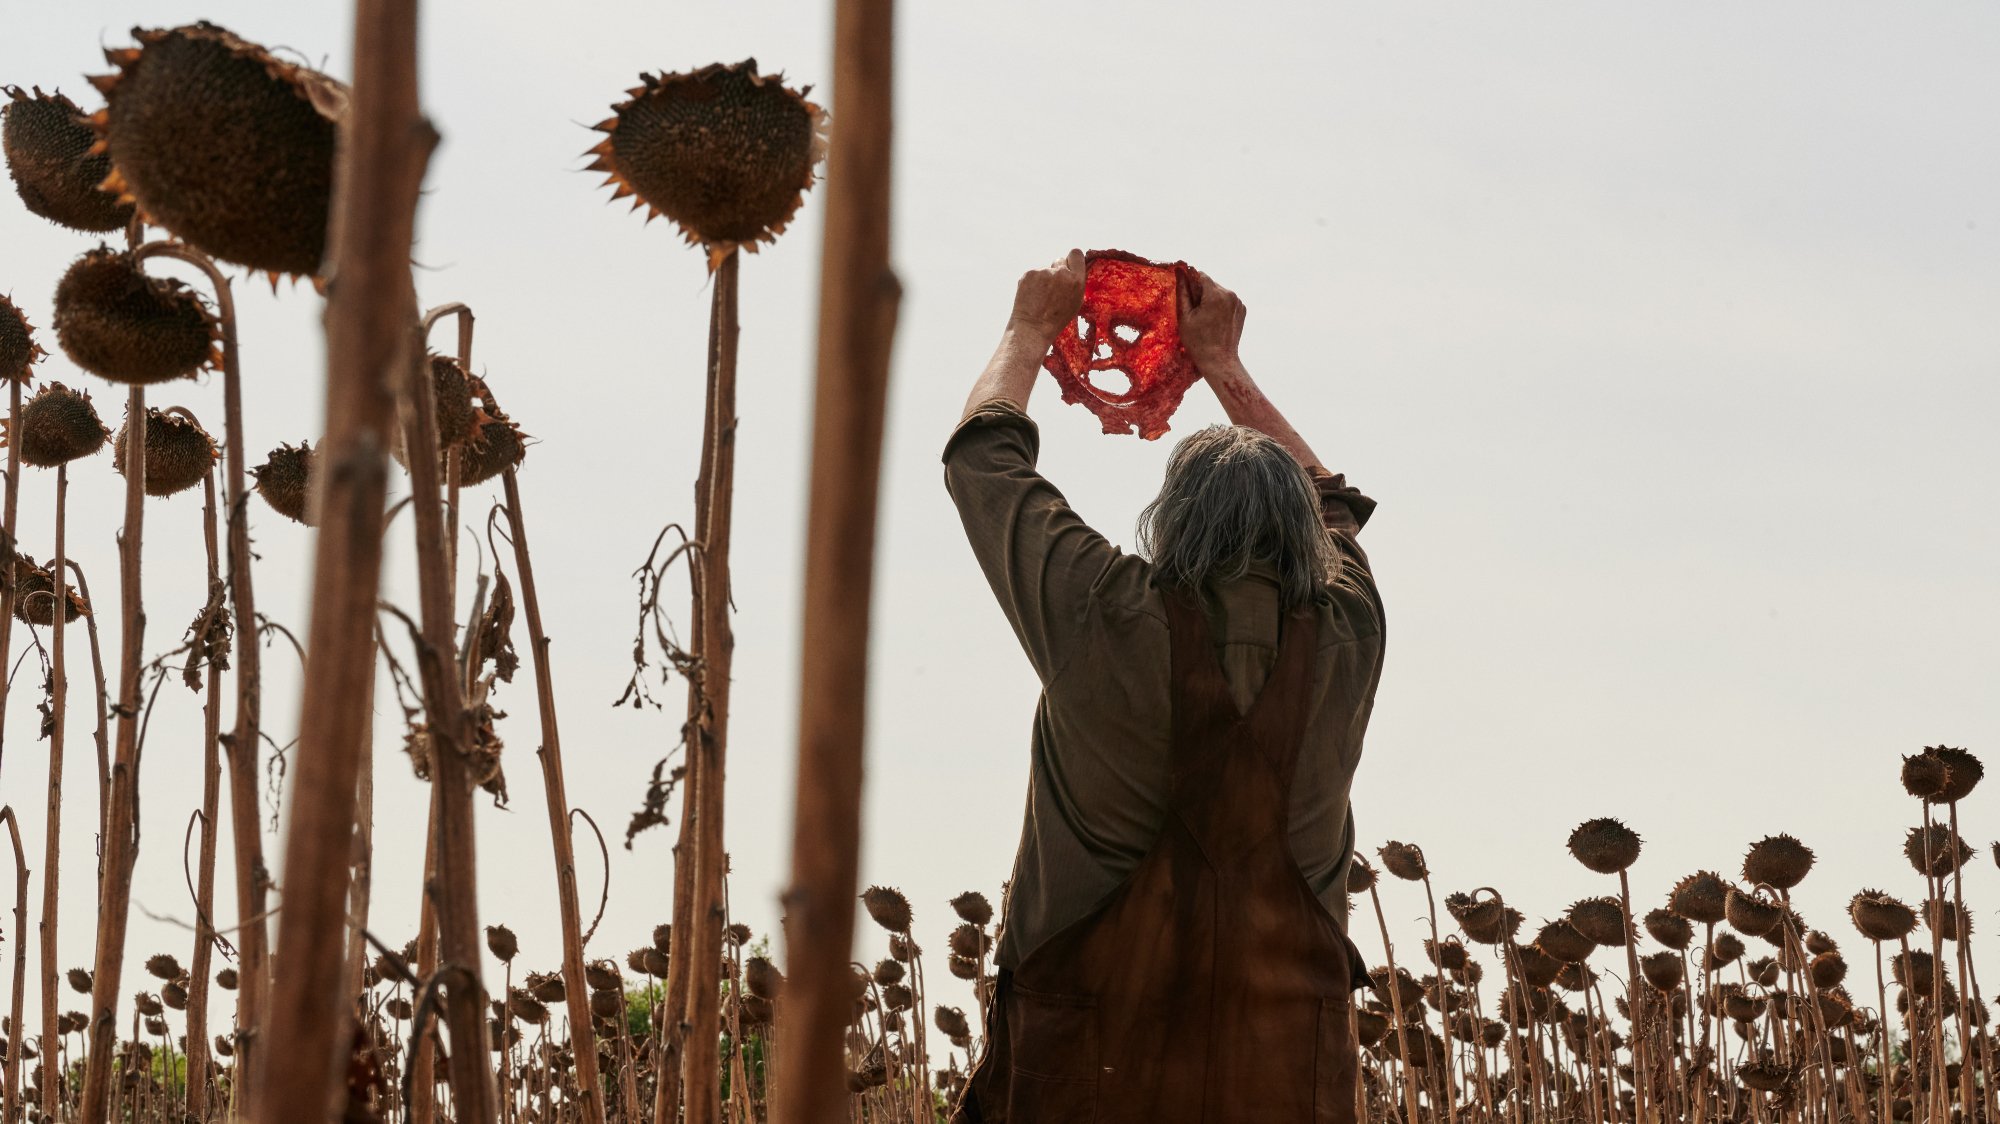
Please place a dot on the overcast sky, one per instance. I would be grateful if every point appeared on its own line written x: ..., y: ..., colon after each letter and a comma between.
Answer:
x: 1663, y: 334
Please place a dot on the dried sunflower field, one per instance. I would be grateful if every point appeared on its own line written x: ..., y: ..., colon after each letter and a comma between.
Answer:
x: 199, y: 161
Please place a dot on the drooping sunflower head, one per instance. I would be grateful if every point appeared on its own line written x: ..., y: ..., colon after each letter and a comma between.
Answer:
x: 725, y: 152
x: 496, y: 446
x: 58, y: 425
x: 285, y: 481
x: 48, y: 143
x: 225, y: 145
x: 119, y: 323
x: 35, y: 597
x: 18, y: 350
x: 179, y: 453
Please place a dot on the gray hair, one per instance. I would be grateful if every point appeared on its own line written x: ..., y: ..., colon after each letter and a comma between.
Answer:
x: 1234, y: 498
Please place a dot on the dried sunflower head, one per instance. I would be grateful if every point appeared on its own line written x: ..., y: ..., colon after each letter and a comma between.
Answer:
x: 1762, y: 971
x: 1936, y: 850
x: 1701, y: 897
x: 1949, y: 920
x: 1827, y: 970
x: 227, y: 146
x: 1537, y: 967
x: 1914, y: 970
x: 1925, y: 777
x: 606, y: 1004
x: 48, y: 143
x: 1604, y: 845
x: 1962, y: 772
x: 1669, y: 928
x: 456, y: 413
x: 1565, y: 942
x: 1361, y: 876
x: 724, y: 152
x: 973, y: 908
x: 1727, y: 949
x: 1404, y: 860
x: 179, y: 453
x: 1448, y: 955
x: 58, y: 425
x: 527, y: 1008
x: 502, y: 943
x: 1663, y: 970
x: 35, y: 597
x: 888, y: 907
x: 1751, y: 915
x: 18, y: 349
x: 763, y: 978
x: 119, y: 323
x: 1600, y: 919
x: 496, y: 446
x: 1779, y: 861
x: 1486, y: 920
x: 285, y: 481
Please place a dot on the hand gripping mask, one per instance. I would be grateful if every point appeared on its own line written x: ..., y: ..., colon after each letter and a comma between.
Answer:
x: 1122, y: 358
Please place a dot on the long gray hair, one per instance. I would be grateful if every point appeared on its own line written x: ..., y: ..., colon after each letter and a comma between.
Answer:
x: 1234, y: 498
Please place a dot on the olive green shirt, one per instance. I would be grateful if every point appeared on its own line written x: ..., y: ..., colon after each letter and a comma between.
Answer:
x: 1095, y: 628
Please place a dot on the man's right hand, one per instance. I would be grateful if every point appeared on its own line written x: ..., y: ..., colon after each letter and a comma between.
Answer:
x: 1212, y: 328
x: 1046, y: 300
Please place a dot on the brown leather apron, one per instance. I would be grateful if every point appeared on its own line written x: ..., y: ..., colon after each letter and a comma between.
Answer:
x: 1212, y: 987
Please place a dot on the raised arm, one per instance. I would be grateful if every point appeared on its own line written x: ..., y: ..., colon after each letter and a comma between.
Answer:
x: 1211, y: 331
x: 1044, y: 301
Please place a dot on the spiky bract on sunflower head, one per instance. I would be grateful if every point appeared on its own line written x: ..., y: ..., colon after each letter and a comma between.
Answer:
x: 496, y: 446
x: 58, y: 425
x: 18, y: 350
x: 227, y: 146
x: 179, y: 453
x: 117, y: 322
x: 48, y: 143
x: 725, y: 152
x: 285, y: 481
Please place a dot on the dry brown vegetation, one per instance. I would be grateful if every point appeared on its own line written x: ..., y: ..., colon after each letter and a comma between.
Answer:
x: 1721, y: 1003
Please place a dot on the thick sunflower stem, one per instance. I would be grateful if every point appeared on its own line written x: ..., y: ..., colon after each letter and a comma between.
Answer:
x: 10, y: 1087
x: 577, y: 990
x: 211, y: 797
x: 1401, y: 1029
x: 859, y: 298
x: 121, y: 842
x: 372, y: 353
x: 709, y: 740
x: 52, y: 838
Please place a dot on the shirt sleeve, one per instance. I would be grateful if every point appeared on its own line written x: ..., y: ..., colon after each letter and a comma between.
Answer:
x: 1041, y: 559
x: 1344, y: 510
x: 1341, y: 508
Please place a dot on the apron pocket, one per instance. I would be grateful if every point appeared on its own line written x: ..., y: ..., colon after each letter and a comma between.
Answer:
x: 1335, y: 1065
x: 1053, y: 1041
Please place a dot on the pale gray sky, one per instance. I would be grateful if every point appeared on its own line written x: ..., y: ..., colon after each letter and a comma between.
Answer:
x: 1663, y: 334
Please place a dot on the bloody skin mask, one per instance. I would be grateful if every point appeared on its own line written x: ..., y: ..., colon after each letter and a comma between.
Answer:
x: 1130, y: 326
